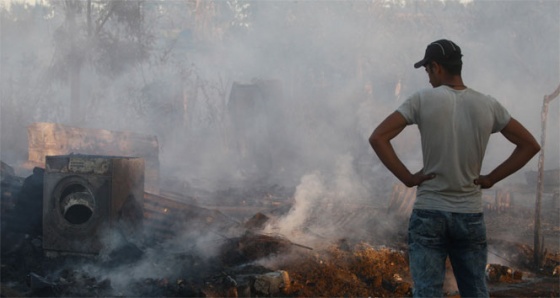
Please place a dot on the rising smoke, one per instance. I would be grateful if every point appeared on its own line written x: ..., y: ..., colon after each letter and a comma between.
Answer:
x: 342, y: 67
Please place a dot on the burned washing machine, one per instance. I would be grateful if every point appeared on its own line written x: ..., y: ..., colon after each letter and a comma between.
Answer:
x: 87, y: 195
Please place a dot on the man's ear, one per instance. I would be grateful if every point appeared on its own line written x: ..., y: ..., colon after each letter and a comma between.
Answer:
x: 436, y: 67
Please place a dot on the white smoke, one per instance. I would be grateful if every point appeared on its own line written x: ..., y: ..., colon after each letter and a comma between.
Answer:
x: 322, y: 201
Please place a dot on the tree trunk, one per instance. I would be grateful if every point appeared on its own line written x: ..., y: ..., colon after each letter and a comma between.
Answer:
x: 76, y: 115
x: 75, y: 64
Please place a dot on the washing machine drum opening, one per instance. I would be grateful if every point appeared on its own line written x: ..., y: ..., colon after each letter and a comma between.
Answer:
x: 77, y: 205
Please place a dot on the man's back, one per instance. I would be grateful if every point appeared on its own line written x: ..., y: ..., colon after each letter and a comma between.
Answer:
x: 455, y: 126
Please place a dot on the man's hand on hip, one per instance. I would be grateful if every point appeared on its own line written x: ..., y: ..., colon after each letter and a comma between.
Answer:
x: 418, y: 178
x: 484, y: 182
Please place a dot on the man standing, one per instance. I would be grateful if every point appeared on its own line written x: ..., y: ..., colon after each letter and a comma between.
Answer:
x: 455, y: 124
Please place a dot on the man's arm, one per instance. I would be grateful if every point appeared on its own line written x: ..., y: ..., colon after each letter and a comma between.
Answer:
x: 526, y: 148
x: 380, y: 141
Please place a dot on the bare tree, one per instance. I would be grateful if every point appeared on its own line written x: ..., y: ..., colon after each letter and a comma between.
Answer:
x: 108, y: 35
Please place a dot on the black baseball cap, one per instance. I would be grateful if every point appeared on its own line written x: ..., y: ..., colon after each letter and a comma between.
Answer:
x: 442, y: 51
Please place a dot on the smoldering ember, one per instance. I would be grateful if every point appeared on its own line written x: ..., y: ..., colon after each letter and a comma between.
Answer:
x: 205, y: 148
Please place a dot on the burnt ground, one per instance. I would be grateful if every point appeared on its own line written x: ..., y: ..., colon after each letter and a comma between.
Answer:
x: 366, y: 258
x: 511, y: 240
x: 342, y: 268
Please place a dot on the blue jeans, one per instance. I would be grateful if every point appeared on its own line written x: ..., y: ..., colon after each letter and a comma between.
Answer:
x: 432, y: 237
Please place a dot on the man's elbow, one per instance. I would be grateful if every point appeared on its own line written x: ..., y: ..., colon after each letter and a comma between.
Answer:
x: 530, y: 147
x: 372, y: 139
x: 375, y: 140
x: 535, y: 148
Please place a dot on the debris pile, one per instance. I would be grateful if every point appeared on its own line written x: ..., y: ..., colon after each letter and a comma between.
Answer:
x: 361, y: 271
x: 193, y: 251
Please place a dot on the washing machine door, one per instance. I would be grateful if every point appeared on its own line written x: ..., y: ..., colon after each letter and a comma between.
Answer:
x: 73, y: 211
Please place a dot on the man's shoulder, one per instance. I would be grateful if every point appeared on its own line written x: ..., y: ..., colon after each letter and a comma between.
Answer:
x: 426, y: 91
x: 423, y: 93
x: 436, y: 94
x: 474, y: 92
x: 431, y: 92
x: 482, y: 97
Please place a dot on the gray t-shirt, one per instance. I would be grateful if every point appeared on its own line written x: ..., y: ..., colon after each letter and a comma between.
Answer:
x: 455, y: 126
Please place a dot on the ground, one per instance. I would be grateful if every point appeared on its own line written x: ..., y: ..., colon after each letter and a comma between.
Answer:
x: 372, y: 263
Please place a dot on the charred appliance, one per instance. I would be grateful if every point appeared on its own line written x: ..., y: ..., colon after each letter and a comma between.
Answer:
x: 85, y: 196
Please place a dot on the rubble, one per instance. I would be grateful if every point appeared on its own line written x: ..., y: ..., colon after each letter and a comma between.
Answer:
x: 500, y: 273
x: 10, y: 186
x: 26, y: 215
x: 247, y: 261
x: 272, y: 283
